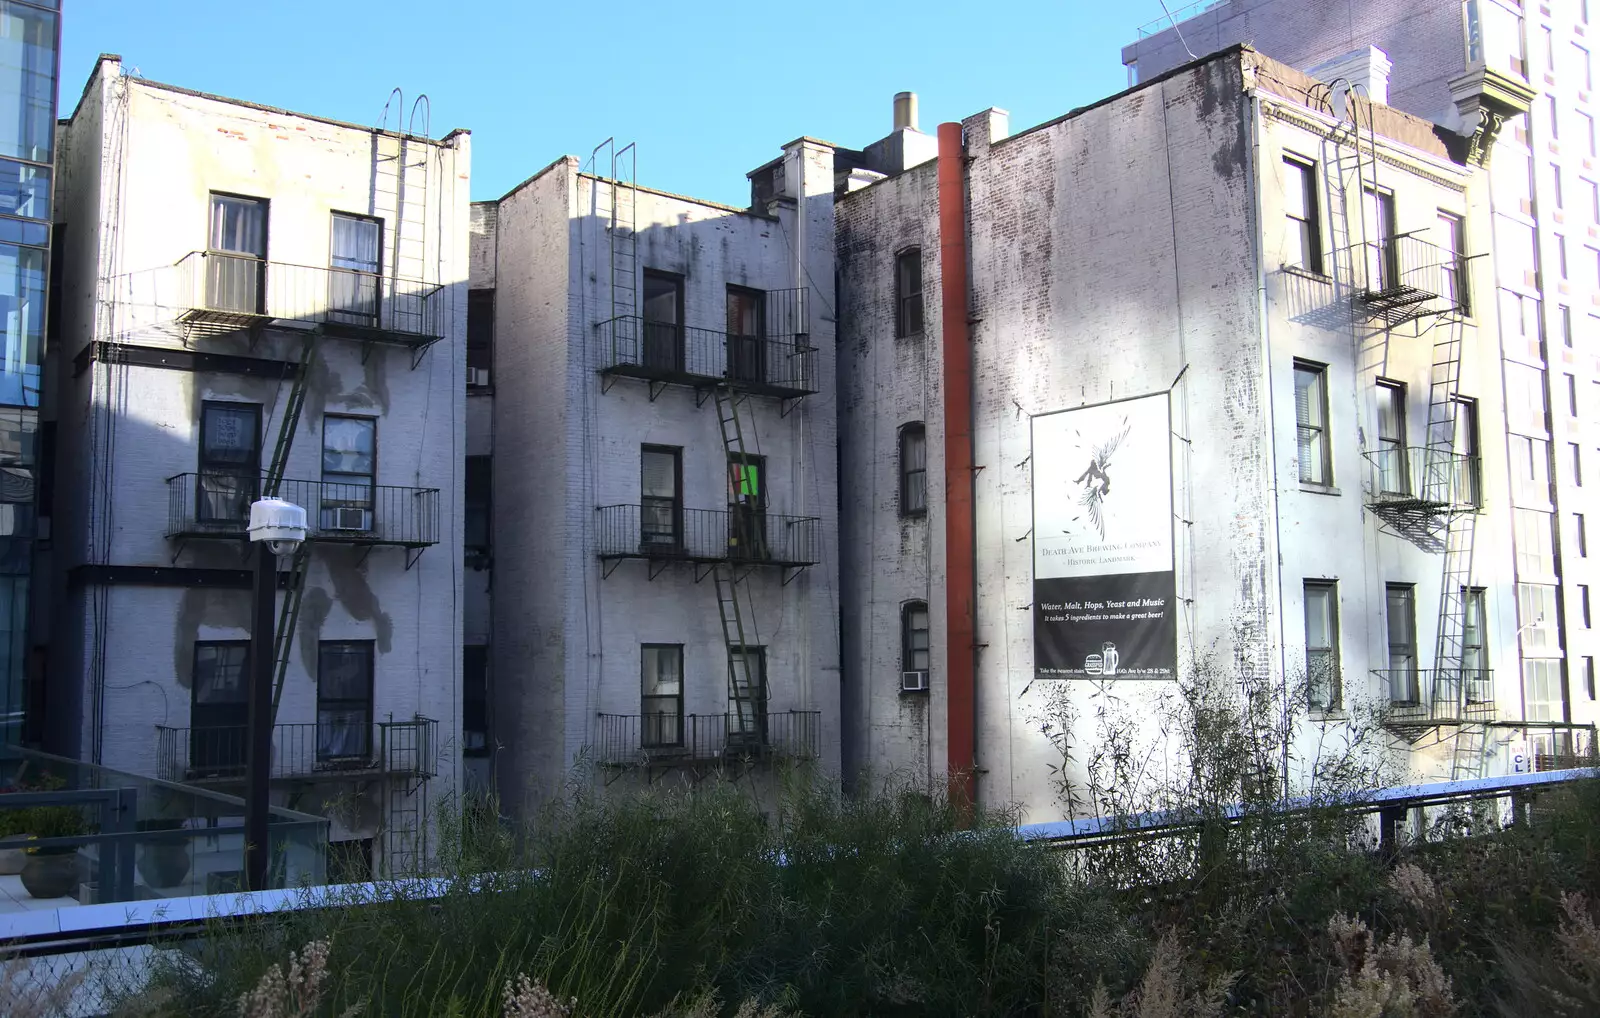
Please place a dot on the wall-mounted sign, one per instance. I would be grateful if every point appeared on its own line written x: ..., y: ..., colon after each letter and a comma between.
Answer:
x: 1103, y: 586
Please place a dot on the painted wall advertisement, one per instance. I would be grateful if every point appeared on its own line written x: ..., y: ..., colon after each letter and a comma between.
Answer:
x: 1103, y: 586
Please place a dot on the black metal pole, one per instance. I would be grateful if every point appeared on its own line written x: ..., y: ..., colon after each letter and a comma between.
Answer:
x: 258, y: 753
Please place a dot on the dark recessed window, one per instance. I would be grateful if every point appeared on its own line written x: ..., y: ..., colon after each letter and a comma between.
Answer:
x: 908, y: 292
x: 913, y: 470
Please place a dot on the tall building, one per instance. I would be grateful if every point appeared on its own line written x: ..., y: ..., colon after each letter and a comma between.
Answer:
x: 29, y: 38
x: 1545, y: 270
x: 259, y: 302
x: 1191, y: 382
x: 653, y: 415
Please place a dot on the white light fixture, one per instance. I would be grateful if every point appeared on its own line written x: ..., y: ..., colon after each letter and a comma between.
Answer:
x: 281, y: 524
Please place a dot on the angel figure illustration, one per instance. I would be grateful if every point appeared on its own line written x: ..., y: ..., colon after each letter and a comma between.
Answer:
x: 1095, y: 480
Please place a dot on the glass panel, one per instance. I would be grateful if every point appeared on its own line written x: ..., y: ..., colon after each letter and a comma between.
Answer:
x: 22, y: 304
x: 27, y: 83
x: 219, y: 673
x: 239, y: 225
x: 749, y: 702
x: 1392, y: 468
x: 1400, y: 618
x: 1541, y: 688
x: 228, y: 436
x: 355, y: 243
x: 1308, y: 412
x: 343, y: 671
x: 24, y: 190
x: 1536, y: 615
x: 347, y: 445
x: 658, y: 489
x: 660, y: 299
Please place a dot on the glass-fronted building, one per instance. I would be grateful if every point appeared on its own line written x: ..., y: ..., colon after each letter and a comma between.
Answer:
x: 30, y: 35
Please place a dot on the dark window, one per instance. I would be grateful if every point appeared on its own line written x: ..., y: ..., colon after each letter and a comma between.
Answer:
x: 47, y: 468
x: 1400, y: 617
x: 1580, y: 533
x: 913, y: 470
x: 480, y: 336
x: 1469, y: 469
x: 746, y: 327
x: 1588, y: 676
x: 1394, y: 474
x: 747, y: 506
x: 480, y: 486
x: 1577, y: 464
x: 349, y: 464
x: 357, y: 269
x: 747, y: 701
x: 1383, y: 257
x: 1583, y: 604
x: 1572, y: 396
x: 350, y: 862
x: 1475, y: 646
x: 663, y: 321
x: 1303, y: 245
x: 1311, y: 422
x: 235, y: 260
x: 230, y: 463
x: 344, y: 700
x: 661, y: 696
x: 1322, y: 645
x: 475, y: 700
x: 1565, y: 314
x: 914, y: 637
x: 1453, y: 259
x: 218, y: 706
x: 660, y: 498
x: 908, y: 292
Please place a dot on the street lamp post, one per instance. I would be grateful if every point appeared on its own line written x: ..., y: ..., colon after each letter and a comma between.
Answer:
x: 276, y: 528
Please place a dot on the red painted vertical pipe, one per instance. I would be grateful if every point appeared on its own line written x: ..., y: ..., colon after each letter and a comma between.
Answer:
x: 959, y: 551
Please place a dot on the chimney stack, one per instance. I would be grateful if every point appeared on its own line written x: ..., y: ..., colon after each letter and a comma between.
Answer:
x: 905, y: 111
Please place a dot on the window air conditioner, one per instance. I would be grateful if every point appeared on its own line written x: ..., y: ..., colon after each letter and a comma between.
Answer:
x: 913, y: 682
x: 477, y: 377
x: 350, y: 518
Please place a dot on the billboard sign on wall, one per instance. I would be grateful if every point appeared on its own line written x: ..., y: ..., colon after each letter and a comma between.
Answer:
x: 1103, y: 583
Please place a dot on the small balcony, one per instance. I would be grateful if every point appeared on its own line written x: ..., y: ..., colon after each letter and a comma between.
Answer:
x: 1405, y: 278
x: 703, y: 740
x: 216, y: 504
x: 301, y: 752
x: 781, y: 362
x: 664, y: 532
x: 219, y: 293
x: 1420, y: 700
x: 1415, y: 491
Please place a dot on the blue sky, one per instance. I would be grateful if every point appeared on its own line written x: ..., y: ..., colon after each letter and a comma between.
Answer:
x: 707, y: 90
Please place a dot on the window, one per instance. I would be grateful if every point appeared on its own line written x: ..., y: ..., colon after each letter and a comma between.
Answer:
x: 1322, y: 645
x: 1556, y: 190
x: 1400, y: 617
x: 1536, y: 615
x: 1549, y: 49
x: 1530, y: 471
x: 1469, y: 476
x: 1588, y: 676
x: 474, y: 700
x: 1310, y: 418
x: 913, y: 470
x: 747, y: 502
x: 908, y: 292
x: 1393, y: 474
x: 1583, y: 605
x: 1525, y: 398
x: 1589, y: 133
x: 1302, y: 248
x: 748, y: 697
x: 746, y: 347
x: 480, y: 337
x: 1577, y: 464
x: 235, y: 260
x: 914, y: 636
x: 218, y: 705
x: 1553, y: 117
x: 1594, y: 201
x: 230, y: 464
x: 663, y: 321
x: 661, y: 694
x: 661, y: 497
x: 1383, y: 261
x: 1542, y: 690
x: 1564, y: 315
x: 1585, y: 70
x: 480, y: 488
x: 349, y: 458
x: 1474, y: 643
x: 1534, y: 541
x: 344, y: 700
x: 1572, y: 396
x: 1580, y: 534
x: 1561, y: 255
x: 1453, y: 240
x: 357, y: 269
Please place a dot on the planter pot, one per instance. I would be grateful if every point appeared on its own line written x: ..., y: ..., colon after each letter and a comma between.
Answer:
x: 12, y: 859
x: 51, y: 875
x: 164, y: 863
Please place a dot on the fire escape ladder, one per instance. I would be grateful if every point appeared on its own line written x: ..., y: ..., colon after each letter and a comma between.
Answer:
x: 621, y: 233
x: 288, y: 618
x: 292, y: 408
x: 746, y: 540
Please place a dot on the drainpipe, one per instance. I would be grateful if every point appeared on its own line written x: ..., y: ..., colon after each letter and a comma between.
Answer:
x: 959, y: 545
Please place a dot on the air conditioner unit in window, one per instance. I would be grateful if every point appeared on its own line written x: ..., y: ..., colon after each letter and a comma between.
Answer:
x: 477, y: 377
x: 913, y: 682
x: 349, y: 518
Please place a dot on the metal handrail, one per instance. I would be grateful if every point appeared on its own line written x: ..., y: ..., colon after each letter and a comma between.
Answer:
x: 783, y: 364
x: 1408, y: 267
x: 1409, y: 474
x: 216, y: 503
x: 1443, y: 695
x: 299, y: 750
x: 630, y: 740
x: 737, y: 534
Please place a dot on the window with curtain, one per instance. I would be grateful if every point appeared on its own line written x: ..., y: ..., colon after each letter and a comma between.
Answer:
x: 913, y: 469
x: 1322, y: 645
x: 1311, y: 427
x: 357, y: 269
x: 661, y: 696
x: 344, y: 700
x: 660, y: 500
x: 908, y: 292
x: 235, y: 269
x: 349, y: 447
x: 914, y: 636
x: 230, y: 463
x: 1394, y: 474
